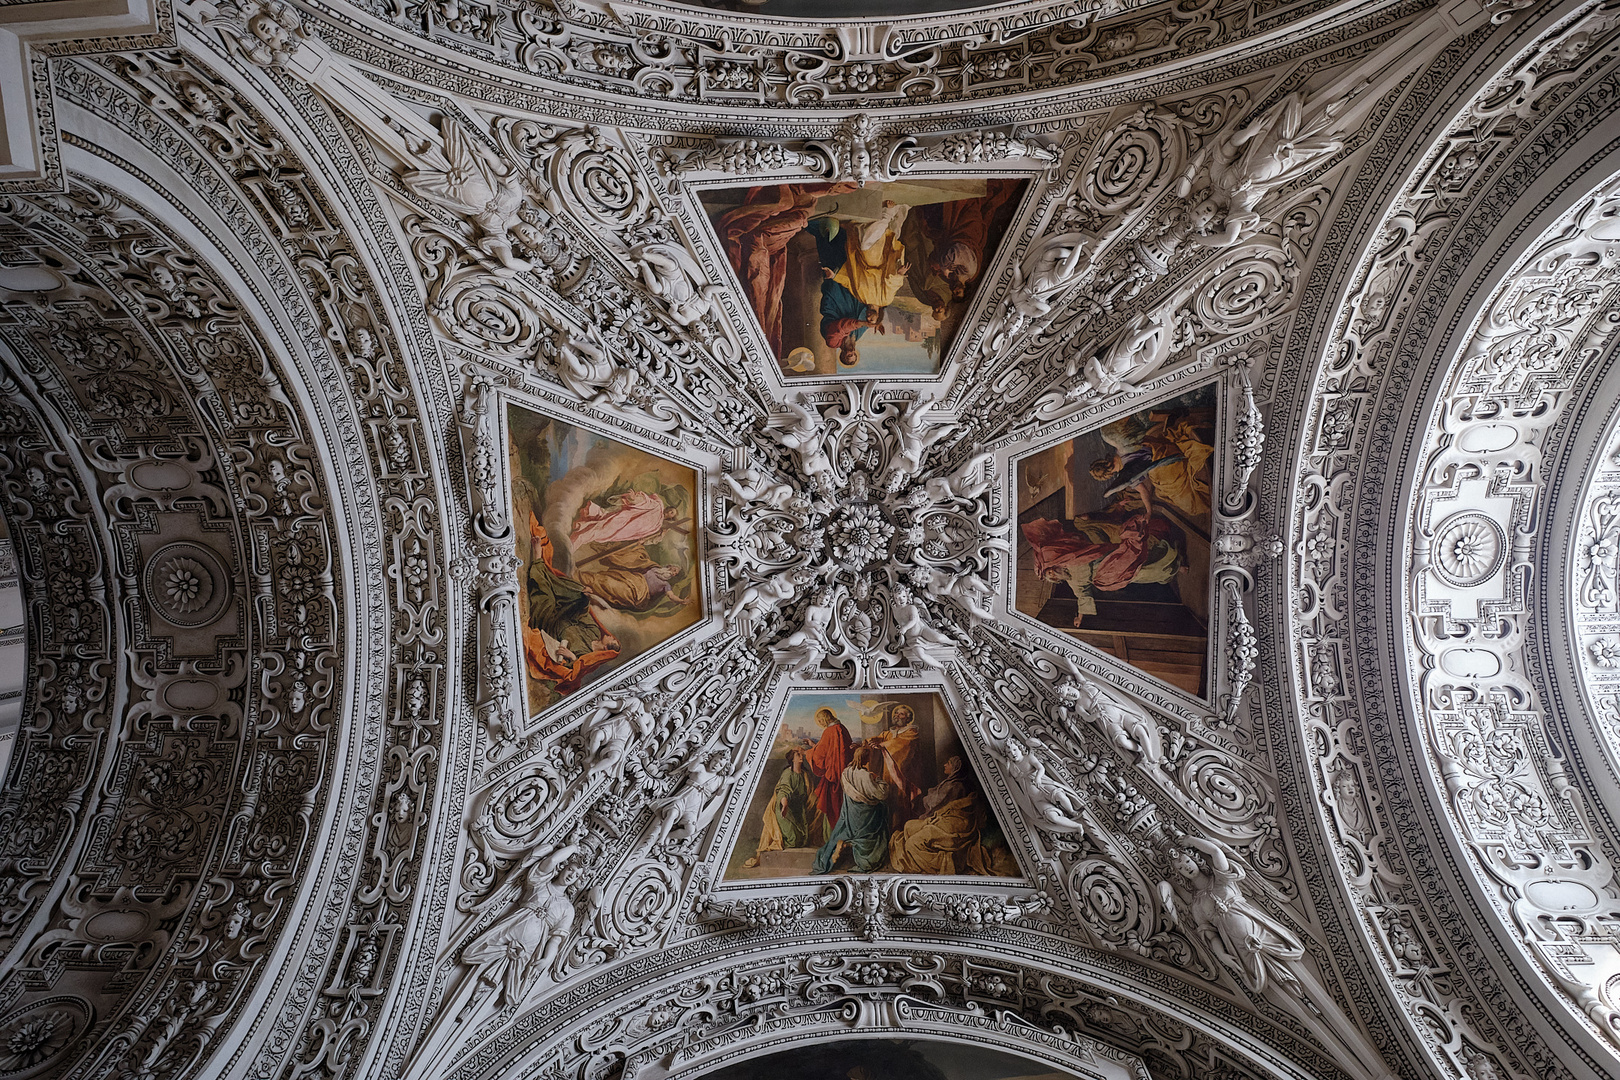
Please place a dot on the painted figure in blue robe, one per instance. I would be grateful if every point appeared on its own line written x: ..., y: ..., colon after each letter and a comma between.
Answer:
x: 844, y: 317
x: 863, y: 821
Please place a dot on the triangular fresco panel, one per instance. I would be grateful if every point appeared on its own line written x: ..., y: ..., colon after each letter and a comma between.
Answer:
x: 869, y: 783
x: 862, y: 280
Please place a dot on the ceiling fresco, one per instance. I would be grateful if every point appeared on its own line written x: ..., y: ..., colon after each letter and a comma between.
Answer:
x: 1115, y: 528
x: 869, y: 784
x: 862, y: 280
x: 647, y: 541
x: 607, y: 552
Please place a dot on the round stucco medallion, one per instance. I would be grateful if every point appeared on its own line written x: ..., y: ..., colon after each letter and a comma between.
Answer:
x: 36, y: 1035
x: 186, y: 584
x: 1468, y: 548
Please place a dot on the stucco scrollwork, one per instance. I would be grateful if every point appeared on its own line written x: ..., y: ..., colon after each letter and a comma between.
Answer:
x: 1182, y: 224
x: 434, y: 230
x: 859, y: 151
x: 1509, y: 796
x: 867, y: 549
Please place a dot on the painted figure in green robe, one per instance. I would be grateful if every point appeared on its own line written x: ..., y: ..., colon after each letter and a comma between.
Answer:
x: 792, y: 819
x: 863, y: 823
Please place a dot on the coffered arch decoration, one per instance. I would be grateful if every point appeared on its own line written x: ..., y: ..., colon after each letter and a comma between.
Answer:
x: 165, y: 796
x: 458, y: 453
x: 1466, y: 314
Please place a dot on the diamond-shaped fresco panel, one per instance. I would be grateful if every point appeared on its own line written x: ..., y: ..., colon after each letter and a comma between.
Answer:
x: 607, y: 548
x: 1114, y: 537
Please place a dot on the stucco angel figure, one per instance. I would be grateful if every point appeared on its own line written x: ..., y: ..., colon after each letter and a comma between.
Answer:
x: 526, y: 943
x: 610, y: 730
x: 1056, y: 804
x: 1264, y: 955
x: 671, y: 274
x: 1045, y: 272
x: 751, y: 484
x: 806, y: 436
x: 1128, y: 727
x: 915, y: 432
x: 1137, y: 353
x: 803, y: 650
x: 966, y: 587
x: 758, y: 600
x: 1244, y: 165
x: 584, y: 367
x: 480, y: 187
x: 970, y: 480
x: 919, y: 642
x: 1254, y: 946
x: 685, y: 814
x: 1057, y: 263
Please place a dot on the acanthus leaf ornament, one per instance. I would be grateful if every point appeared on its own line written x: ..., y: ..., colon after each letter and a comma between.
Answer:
x: 978, y: 146
x: 480, y: 446
x: 973, y: 910
x: 770, y: 914
x: 1247, y: 440
x: 745, y: 157
x: 1241, y: 647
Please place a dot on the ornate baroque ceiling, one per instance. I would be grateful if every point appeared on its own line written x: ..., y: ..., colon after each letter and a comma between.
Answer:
x: 611, y: 541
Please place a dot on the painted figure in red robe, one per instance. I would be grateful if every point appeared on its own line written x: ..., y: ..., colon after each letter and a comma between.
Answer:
x: 828, y: 759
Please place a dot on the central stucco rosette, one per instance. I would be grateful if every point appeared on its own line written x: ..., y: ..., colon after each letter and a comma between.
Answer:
x: 866, y: 542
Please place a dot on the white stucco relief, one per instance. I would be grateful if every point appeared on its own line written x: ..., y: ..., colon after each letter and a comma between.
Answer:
x: 537, y: 891
x: 1475, y: 518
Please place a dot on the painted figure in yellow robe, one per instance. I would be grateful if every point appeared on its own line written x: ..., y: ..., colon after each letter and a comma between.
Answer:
x: 874, y: 258
x: 947, y: 839
x: 1165, y: 455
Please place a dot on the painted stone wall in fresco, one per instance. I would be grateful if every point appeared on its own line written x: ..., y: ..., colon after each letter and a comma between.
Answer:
x: 873, y: 783
x: 868, y: 280
x: 1114, y: 537
x: 889, y: 1059
x: 608, y: 551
